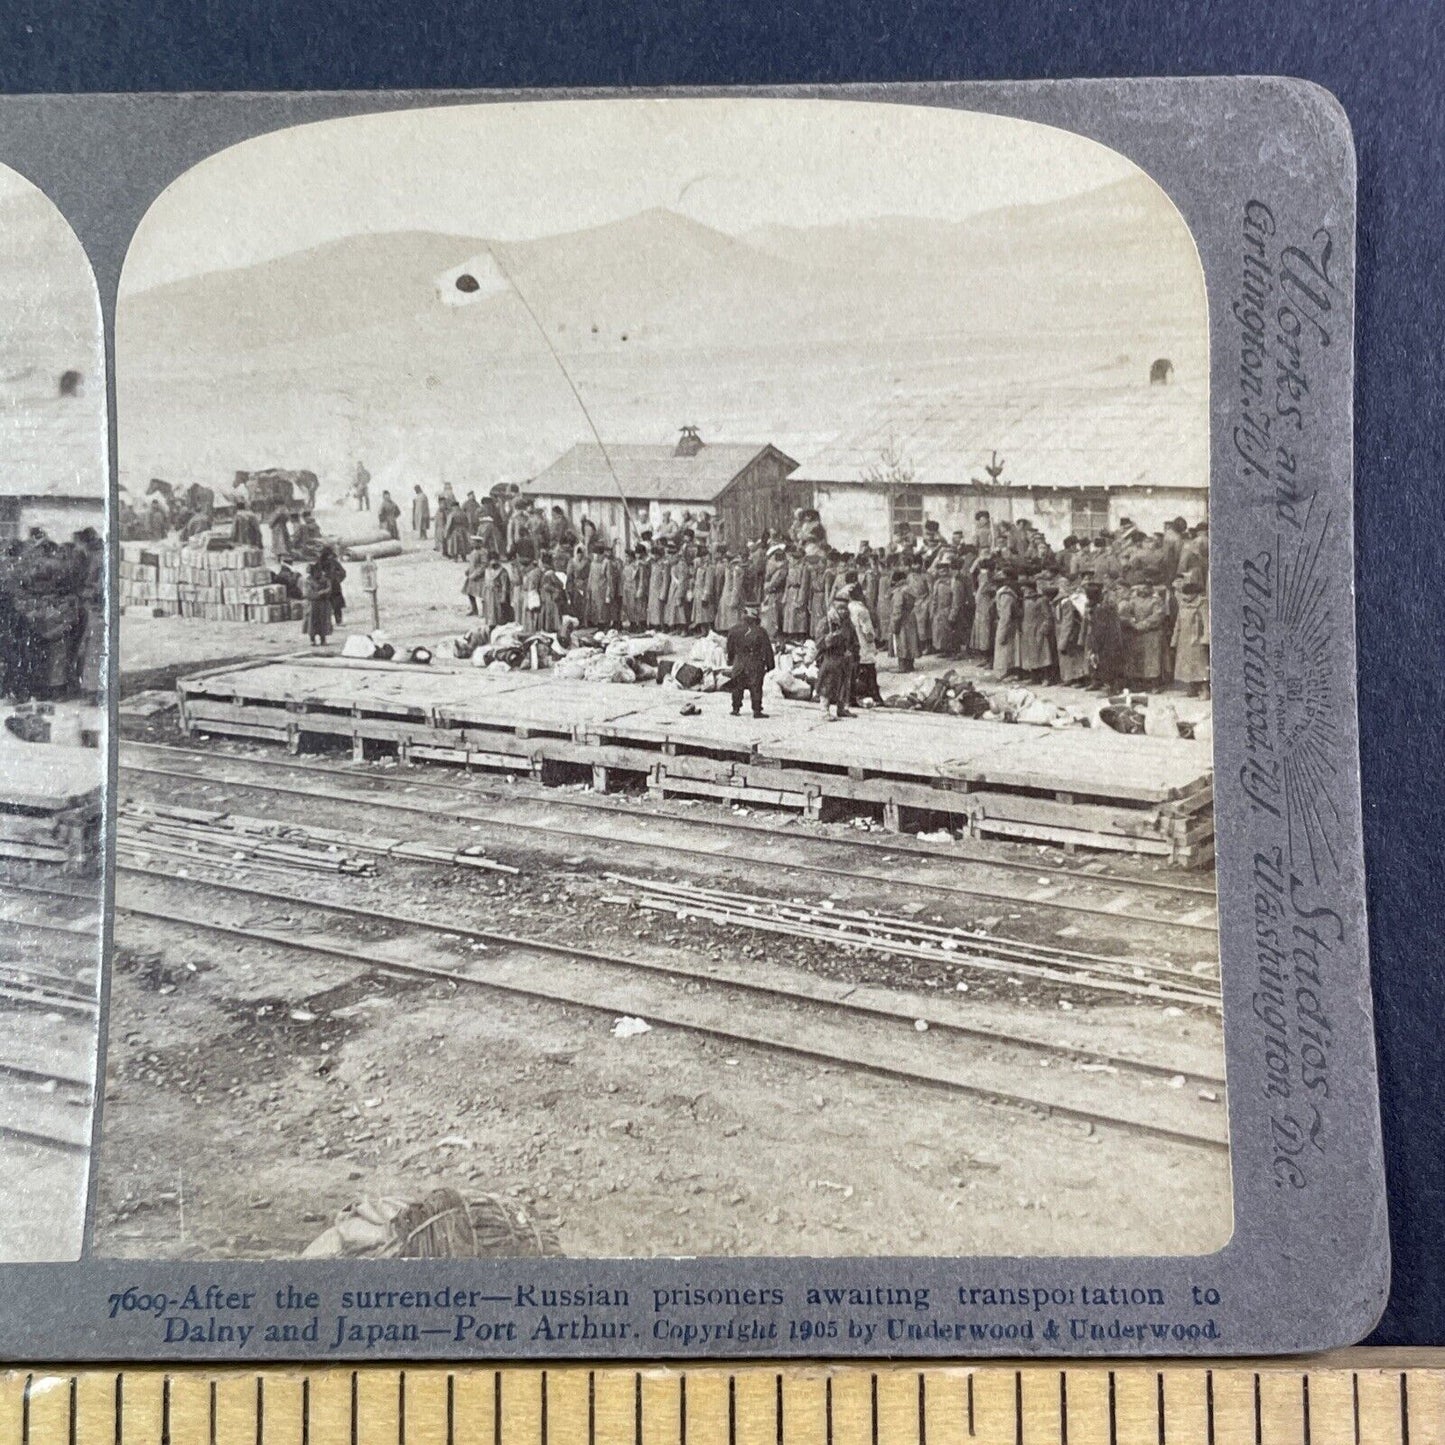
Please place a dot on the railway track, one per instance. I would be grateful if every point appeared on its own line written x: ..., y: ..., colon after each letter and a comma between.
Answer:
x: 49, y: 1015
x: 780, y: 1011
x: 1189, y: 907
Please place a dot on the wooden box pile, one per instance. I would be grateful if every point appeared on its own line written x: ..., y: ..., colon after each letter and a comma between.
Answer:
x: 232, y: 584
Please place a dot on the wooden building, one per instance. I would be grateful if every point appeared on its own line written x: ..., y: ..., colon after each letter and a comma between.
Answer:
x: 1071, y: 456
x: 744, y: 484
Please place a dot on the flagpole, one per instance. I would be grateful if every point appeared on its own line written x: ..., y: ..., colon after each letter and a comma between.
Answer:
x: 572, y: 387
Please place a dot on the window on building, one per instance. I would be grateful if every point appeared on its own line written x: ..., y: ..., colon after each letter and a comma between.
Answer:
x: 905, y: 507
x: 1089, y: 517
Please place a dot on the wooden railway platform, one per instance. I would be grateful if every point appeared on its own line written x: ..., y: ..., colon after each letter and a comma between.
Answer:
x: 1072, y: 787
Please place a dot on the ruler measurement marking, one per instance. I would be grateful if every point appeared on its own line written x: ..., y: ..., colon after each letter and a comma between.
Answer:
x: 1285, y: 1403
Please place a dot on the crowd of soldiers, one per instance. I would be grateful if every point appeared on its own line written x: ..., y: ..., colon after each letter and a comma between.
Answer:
x: 52, y: 617
x: 1119, y: 609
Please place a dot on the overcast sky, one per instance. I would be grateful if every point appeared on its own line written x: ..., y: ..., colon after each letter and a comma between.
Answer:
x: 519, y: 170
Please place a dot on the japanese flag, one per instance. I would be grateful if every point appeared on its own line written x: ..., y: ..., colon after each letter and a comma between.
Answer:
x: 474, y: 280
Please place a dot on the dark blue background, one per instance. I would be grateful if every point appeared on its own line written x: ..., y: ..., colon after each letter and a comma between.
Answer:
x: 1383, y: 60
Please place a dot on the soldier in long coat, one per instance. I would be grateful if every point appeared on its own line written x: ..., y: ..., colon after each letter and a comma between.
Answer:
x: 477, y: 560
x: 817, y: 566
x: 677, y: 616
x: 1191, y: 639
x: 1069, y: 630
x: 634, y: 592
x: 420, y: 512
x: 1103, y: 637
x: 554, y: 601
x: 1007, y: 651
x: 797, y: 600
x: 472, y: 510
x: 1036, y: 632
x: 335, y: 573
x: 884, y: 628
x: 529, y: 597
x: 903, y: 624
x: 868, y: 590
x: 604, y: 591
x: 706, y: 583
x: 495, y: 600
x: 446, y: 505
x: 730, y: 602
x: 1146, y: 620
x: 922, y: 589
x: 940, y: 612
x: 775, y: 583
x: 458, y: 537
x: 316, y: 605
x: 985, y: 615
x: 962, y: 606
x: 579, y: 565
x: 658, y: 572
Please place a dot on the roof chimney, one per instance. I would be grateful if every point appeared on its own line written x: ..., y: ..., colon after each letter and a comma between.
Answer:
x: 689, y: 444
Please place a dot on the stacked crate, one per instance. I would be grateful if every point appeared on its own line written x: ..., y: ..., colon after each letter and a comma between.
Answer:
x: 229, y: 584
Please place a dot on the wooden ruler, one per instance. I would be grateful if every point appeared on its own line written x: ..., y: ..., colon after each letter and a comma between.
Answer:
x: 1354, y: 1397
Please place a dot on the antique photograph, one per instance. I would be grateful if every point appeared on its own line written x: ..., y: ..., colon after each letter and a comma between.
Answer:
x: 53, y: 480
x: 664, y: 693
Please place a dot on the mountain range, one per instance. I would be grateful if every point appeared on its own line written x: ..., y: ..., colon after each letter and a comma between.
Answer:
x: 784, y: 333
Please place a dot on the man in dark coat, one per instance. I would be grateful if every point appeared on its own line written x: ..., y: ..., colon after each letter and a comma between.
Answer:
x: 837, y: 660
x: 1103, y: 638
x: 388, y: 517
x: 750, y: 655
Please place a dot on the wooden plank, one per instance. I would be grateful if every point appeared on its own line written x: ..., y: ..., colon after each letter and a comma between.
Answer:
x: 1079, y: 837
x: 735, y: 793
